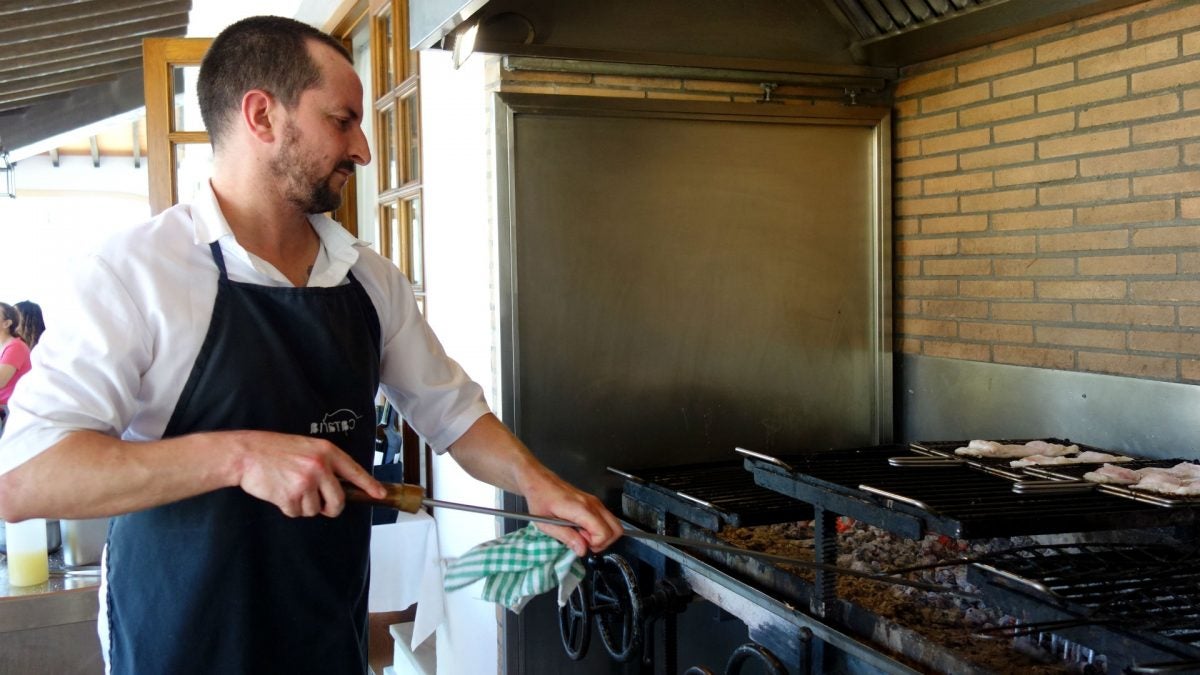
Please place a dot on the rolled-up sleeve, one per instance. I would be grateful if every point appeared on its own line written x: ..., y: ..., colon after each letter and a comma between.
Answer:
x: 430, y: 389
x: 86, y: 370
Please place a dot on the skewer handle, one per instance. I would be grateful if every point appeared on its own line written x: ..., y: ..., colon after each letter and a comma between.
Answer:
x: 401, y: 496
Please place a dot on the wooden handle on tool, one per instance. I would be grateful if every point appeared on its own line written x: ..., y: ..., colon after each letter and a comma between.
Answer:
x: 399, y: 496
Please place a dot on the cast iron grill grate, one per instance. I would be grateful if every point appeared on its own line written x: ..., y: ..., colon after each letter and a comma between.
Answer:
x: 954, y: 500
x: 712, y: 495
x: 1121, y: 592
x: 997, y: 465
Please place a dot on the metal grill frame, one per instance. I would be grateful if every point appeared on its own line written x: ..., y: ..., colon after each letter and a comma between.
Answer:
x: 957, y: 501
x: 1067, y: 583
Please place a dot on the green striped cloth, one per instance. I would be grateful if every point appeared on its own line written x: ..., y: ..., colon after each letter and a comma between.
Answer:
x: 517, y: 567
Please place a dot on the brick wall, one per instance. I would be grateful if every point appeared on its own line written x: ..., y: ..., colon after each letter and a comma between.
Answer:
x: 1047, y: 198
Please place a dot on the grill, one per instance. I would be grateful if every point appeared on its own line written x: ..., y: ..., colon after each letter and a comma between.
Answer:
x: 1136, y: 604
x: 994, y: 465
x: 956, y: 500
x: 1074, y: 474
x: 711, y: 495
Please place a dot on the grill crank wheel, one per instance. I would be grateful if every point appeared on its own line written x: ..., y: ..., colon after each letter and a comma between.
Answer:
x: 575, y: 623
x: 744, y: 653
x: 610, y: 597
x: 770, y: 664
x: 617, y: 607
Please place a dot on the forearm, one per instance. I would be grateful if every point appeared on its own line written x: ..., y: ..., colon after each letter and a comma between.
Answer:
x: 6, y: 373
x: 489, y: 452
x: 89, y: 474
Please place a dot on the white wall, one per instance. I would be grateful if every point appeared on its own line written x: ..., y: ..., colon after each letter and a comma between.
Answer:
x: 59, y: 214
x: 460, y: 258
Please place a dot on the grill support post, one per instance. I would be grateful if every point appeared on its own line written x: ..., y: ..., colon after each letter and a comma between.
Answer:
x: 824, y: 551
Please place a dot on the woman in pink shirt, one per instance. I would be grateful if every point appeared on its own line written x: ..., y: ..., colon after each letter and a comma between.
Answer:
x: 14, y: 357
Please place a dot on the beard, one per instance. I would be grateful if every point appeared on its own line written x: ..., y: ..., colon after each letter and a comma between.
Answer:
x: 305, y: 184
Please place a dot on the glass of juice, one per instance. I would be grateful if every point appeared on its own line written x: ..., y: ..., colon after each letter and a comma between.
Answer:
x: 28, y: 562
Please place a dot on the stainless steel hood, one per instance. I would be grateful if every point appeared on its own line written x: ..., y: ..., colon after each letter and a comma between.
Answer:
x: 756, y: 34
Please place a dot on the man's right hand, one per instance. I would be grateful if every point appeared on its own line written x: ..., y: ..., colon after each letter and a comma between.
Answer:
x: 299, y: 474
x: 89, y: 474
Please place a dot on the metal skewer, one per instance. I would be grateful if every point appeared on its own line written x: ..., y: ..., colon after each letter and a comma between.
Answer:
x: 411, y: 498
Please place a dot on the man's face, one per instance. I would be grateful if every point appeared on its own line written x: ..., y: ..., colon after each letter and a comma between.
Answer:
x: 321, y: 140
x: 307, y: 180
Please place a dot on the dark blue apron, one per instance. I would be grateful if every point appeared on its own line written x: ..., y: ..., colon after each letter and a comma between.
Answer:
x: 224, y: 582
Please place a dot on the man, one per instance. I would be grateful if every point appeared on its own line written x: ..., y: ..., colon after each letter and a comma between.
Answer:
x: 216, y: 384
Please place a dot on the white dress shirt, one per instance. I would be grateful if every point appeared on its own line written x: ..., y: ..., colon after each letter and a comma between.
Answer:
x: 117, y: 360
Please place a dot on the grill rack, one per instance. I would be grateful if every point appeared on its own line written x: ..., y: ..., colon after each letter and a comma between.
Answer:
x: 1137, y: 603
x: 833, y: 483
x: 995, y: 465
x: 957, y: 501
x: 1074, y: 473
x: 646, y: 500
x: 712, y: 495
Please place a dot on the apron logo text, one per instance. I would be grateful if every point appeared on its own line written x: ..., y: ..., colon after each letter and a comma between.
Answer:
x: 342, y: 420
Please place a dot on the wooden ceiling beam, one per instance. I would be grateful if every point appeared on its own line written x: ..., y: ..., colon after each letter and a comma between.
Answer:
x: 72, y: 65
x: 20, y: 6
x: 90, y: 12
x: 114, y: 23
x: 85, y: 40
x: 104, y: 50
x: 72, y: 78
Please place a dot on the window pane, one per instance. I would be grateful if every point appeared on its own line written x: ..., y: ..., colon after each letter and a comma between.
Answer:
x: 387, y: 49
x: 412, y: 123
x: 388, y: 161
x: 193, y: 166
x: 395, y: 242
x: 186, y: 112
x: 416, y: 245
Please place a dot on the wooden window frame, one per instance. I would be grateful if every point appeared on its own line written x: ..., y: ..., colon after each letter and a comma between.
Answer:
x: 406, y: 88
x: 159, y: 57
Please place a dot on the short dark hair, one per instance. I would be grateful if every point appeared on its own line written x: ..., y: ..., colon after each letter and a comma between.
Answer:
x: 32, y: 324
x: 261, y: 52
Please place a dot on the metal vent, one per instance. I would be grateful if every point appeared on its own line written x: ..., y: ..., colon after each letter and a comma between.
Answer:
x: 875, y: 18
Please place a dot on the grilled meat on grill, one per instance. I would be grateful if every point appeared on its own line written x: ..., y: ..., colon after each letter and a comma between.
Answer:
x: 979, y: 448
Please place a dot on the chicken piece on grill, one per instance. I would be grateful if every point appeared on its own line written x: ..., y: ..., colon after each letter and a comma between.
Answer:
x: 1161, y: 481
x: 1188, y: 470
x: 1182, y: 479
x: 1113, y: 475
x: 1088, y: 457
x: 979, y: 448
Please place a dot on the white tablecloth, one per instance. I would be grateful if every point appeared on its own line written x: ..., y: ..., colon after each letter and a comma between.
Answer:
x: 406, y: 567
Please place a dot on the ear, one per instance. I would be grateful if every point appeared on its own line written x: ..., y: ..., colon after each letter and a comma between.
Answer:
x: 258, y: 108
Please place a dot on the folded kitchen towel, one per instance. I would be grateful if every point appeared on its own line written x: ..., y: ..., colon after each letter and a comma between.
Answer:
x: 516, y: 567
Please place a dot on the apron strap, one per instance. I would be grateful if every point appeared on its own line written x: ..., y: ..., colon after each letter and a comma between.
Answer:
x: 219, y: 257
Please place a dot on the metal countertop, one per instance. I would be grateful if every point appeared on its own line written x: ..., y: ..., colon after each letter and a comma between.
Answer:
x: 60, y: 600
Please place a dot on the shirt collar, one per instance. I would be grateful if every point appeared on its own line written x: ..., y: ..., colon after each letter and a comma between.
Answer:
x: 340, y: 246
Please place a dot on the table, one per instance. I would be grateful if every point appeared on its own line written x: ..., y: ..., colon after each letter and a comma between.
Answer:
x: 406, y: 568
